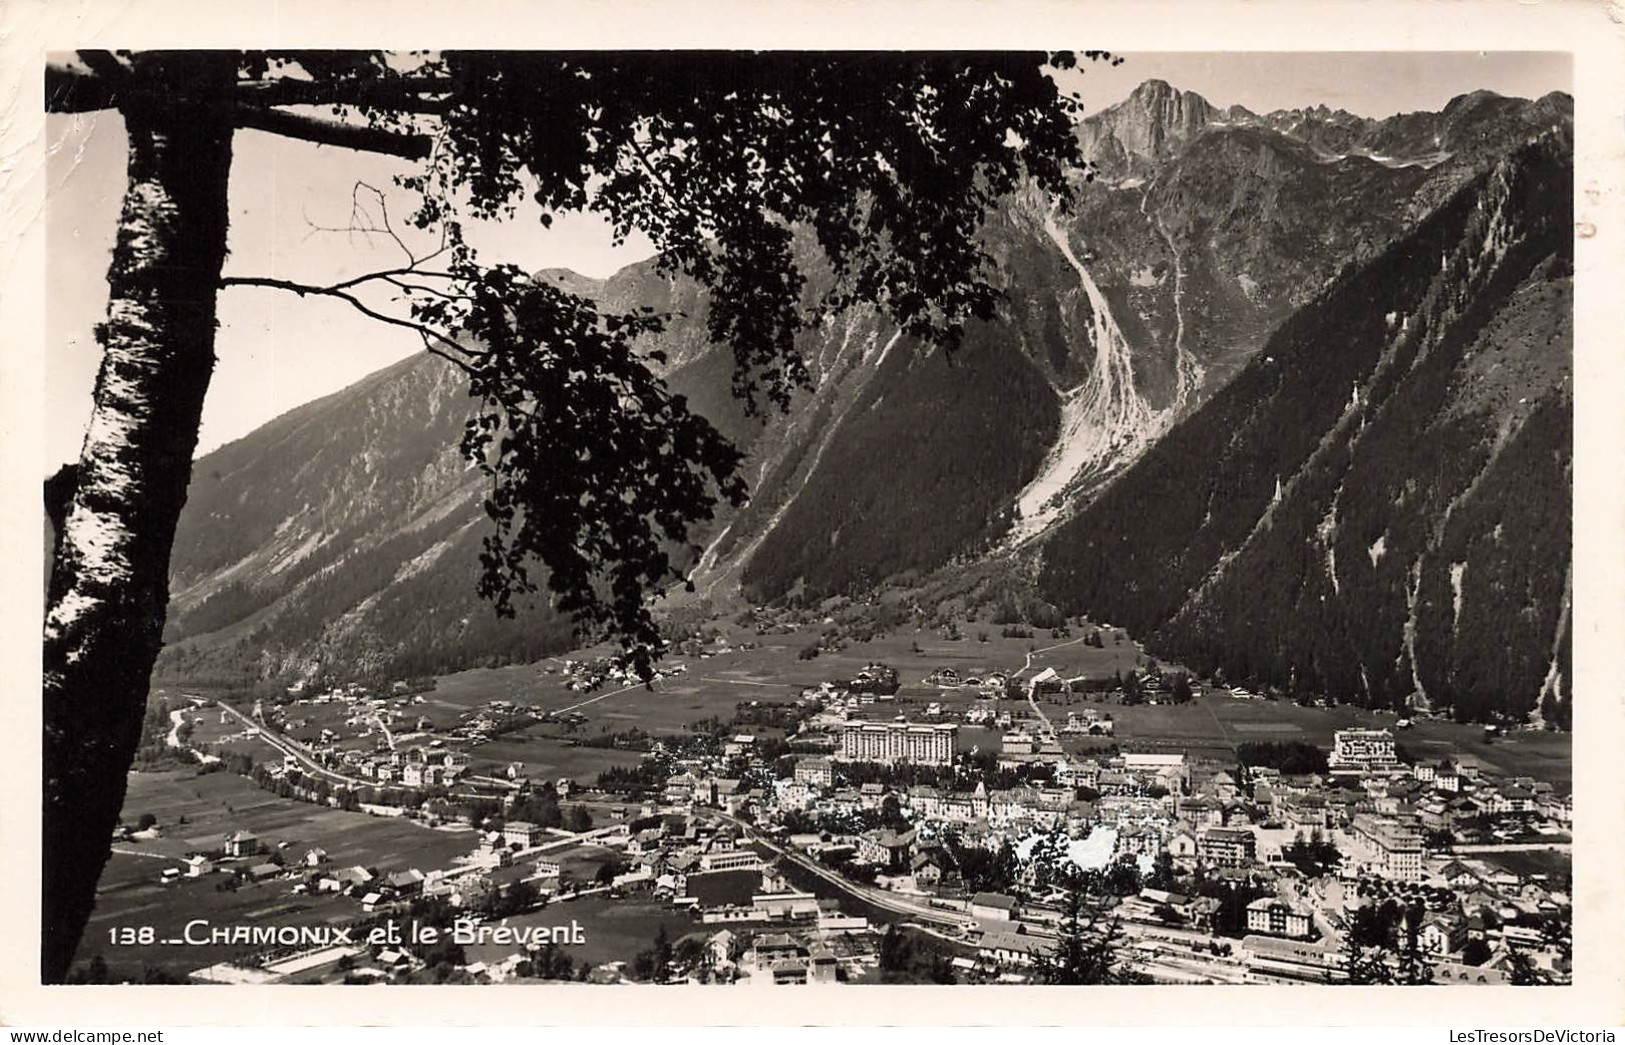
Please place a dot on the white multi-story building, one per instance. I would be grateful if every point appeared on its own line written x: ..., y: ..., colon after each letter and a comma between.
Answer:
x: 1362, y: 750
x: 1272, y: 916
x: 898, y: 742
x: 815, y: 771
x: 1393, y: 850
x: 731, y: 860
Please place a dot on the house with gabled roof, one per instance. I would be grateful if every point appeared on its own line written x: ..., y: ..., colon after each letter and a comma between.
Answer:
x: 242, y: 843
x: 406, y: 883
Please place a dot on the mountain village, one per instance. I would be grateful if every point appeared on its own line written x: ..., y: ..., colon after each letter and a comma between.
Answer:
x: 881, y: 830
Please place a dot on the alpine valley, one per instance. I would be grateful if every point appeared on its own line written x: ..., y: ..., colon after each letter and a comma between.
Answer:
x: 1286, y: 395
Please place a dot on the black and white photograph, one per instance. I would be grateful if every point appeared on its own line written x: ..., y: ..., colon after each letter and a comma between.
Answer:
x: 840, y: 517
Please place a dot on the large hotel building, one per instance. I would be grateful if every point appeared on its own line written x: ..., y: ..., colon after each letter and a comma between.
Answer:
x: 1362, y: 750
x: 931, y: 745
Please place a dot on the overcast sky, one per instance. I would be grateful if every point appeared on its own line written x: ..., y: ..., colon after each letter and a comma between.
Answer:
x: 277, y: 351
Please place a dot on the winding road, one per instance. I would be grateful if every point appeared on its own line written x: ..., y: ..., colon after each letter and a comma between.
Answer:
x: 1049, y: 730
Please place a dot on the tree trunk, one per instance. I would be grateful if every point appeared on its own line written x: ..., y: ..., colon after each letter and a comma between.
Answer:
x: 110, y: 576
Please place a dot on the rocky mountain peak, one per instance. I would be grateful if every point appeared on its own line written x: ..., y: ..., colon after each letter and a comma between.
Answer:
x: 1150, y: 125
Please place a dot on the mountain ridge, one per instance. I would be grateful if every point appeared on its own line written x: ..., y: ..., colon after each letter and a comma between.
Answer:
x: 1119, y: 323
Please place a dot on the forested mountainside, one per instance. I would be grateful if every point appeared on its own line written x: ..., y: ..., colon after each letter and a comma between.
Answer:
x: 1378, y: 506
x: 326, y: 537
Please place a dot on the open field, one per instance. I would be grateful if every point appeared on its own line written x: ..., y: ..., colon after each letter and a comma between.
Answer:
x: 776, y: 661
x: 583, y: 861
x: 711, y: 686
x: 1210, y: 727
x: 219, y: 803
x: 1213, y: 724
x: 546, y: 757
x: 209, y: 732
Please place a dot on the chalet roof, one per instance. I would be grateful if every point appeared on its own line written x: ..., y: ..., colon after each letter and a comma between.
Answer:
x: 1227, y: 833
x: 1020, y: 943
x: 1163, y: 896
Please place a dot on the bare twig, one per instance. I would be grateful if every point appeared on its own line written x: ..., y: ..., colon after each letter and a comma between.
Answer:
x: 361, y: 221
x: 337, y: 291
x: 421, y: 289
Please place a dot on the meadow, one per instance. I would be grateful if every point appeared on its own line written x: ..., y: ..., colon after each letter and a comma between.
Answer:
x: 1214, y: 723
x: 219, y: 803
x: 1209, y: 727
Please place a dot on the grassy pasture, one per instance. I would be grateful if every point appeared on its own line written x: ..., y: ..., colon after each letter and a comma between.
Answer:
x: 546, y: 757
x: 1213, y: 724
x: 219, y: 803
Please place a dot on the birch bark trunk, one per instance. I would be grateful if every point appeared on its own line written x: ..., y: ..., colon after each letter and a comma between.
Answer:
x: 110, y: 577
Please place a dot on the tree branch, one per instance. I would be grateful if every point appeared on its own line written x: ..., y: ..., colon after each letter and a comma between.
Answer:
x: 406, y: 94
x: 304, y: 289
x: 91, y: 81
x: 69, y: 89
x: 332, y: 132
x: 106, y: 65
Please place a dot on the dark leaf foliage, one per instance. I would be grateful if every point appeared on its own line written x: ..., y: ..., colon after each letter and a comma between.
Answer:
x: 594, y: 463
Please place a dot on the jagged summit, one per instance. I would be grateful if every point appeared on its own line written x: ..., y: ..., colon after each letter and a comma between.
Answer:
x: 1148, y: 126
x: 1157, y: 122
